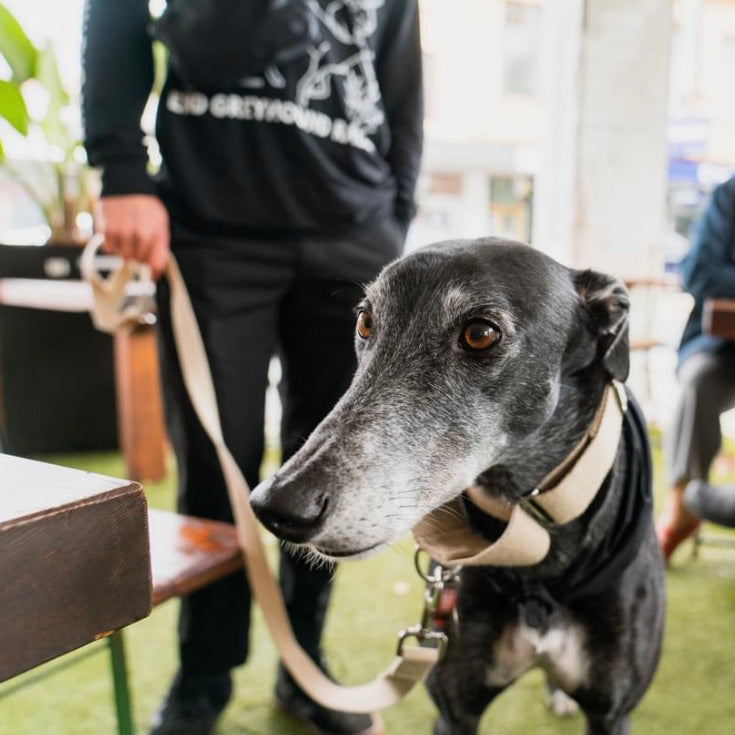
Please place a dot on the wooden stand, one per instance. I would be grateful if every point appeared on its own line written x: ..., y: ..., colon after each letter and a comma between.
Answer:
x: 140, y: 415
x: 139, y: 405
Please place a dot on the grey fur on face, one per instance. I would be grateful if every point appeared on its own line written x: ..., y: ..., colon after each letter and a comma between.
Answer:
x: 426, y: 416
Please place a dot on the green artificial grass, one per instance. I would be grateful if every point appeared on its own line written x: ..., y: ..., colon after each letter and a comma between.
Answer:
x: 693, y: 692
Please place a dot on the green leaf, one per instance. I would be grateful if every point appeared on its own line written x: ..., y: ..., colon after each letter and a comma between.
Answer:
x: 12, y: 106
x: 47, y: 73
x: 16, y: 47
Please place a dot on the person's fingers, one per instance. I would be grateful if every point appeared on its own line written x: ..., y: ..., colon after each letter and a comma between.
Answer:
x: 159, y: 254
x: 128, y: 245
x: 144, y: 246
x: 117, y: 234
x: 135, y: 227
x: 161, y: 244
x: 106, y: 224
x: 110, y: 244
x: 98, y: 211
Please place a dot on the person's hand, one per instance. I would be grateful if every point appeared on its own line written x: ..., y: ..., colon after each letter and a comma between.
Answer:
x: 136, y: 227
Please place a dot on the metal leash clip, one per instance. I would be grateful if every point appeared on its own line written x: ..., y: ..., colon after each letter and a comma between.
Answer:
x: 437, y: 577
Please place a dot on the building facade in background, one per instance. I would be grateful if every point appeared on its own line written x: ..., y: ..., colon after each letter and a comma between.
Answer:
x: 701, y: 134
x: 484, y: 122
x: 485, y: 117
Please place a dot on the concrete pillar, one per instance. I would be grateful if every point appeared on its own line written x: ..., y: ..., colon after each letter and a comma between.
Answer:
x: 601, y: 189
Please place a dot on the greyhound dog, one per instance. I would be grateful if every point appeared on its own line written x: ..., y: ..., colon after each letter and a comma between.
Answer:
x: 481, y: 364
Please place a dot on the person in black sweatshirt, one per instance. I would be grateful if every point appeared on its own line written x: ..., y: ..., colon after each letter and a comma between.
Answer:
x: 290, y: 133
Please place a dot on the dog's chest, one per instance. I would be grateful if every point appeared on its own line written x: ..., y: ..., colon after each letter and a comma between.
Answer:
x: 560, y: 651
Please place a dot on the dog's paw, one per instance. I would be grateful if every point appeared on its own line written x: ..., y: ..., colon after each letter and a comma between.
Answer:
x: 561, y: 704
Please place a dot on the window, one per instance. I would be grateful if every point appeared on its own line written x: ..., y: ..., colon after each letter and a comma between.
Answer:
x: 511, y: 200
x: 521, y: 49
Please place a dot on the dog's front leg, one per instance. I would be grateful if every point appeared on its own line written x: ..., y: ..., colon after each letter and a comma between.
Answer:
x: 618, y: 725
x: 459, y: 691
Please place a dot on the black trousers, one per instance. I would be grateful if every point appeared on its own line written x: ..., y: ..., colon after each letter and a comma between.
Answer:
x: 253, y: 298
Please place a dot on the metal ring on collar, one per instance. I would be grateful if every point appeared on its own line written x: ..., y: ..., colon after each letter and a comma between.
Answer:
x: 446, y: 574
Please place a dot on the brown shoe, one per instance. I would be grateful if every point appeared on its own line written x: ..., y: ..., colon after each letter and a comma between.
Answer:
x: 671, y: 536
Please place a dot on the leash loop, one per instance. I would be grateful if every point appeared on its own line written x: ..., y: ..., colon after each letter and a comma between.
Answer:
x: 124, y: 299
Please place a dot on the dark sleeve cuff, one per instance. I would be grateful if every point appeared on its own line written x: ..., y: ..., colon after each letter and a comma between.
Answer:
x: 405, y: 211
x: 126, y: 177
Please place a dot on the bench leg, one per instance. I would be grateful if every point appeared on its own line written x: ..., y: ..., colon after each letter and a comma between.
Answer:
x: 123, y: 708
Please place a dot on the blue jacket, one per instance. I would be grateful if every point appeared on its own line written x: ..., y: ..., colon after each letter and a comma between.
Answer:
x: 708, y: 269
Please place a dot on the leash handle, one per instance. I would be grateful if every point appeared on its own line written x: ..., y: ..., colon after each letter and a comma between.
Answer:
x: 412, y: 663
x: 113, y: 309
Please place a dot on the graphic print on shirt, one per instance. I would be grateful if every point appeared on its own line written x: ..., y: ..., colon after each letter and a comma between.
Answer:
x: 340, y: 68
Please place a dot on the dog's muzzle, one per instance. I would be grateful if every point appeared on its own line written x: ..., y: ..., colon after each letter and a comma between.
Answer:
x: 295, y: 517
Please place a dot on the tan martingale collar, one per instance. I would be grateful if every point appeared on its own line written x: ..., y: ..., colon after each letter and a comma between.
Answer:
x: 563, y: 495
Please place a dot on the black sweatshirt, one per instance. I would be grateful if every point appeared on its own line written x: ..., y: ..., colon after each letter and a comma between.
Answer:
x: 331, y: 137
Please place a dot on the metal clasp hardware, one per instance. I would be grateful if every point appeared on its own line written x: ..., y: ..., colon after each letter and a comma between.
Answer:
x: 533, y: 508
x: 621, y: 395
x: 423, y: 636
x: 436, y: 576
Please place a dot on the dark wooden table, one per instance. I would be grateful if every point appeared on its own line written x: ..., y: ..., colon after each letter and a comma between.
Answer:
x: 74, y: 560
x: 718, y: 318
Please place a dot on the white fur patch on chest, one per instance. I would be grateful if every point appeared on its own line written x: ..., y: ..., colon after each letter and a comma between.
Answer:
x: 560, y: 651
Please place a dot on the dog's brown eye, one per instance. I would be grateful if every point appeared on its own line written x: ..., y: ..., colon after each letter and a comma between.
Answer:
x: 364, y: 324
x: 479, y: 335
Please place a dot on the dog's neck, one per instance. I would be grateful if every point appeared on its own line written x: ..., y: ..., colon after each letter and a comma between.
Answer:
x: 522, y: 471
x: 522, y: 529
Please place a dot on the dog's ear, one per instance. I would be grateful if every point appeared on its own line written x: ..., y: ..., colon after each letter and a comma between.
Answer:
x: 606, y: 303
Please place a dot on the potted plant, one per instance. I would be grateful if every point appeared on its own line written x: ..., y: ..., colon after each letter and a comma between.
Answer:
x: 56, y: 371
x: 36, y: 108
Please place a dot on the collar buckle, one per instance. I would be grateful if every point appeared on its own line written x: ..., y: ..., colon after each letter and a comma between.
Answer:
x: 621, y: 395
x: 534, y: 509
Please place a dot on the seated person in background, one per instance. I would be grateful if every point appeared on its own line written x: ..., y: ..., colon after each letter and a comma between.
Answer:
x: 706, y: 372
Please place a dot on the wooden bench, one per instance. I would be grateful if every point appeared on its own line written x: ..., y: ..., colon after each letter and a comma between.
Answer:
x: 648, y: 288
x: 189, y: 553
x: 718, y: 318
x: 186, y: 554
x: 80, y: 558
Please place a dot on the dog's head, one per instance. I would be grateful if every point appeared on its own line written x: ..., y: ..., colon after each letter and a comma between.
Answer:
x: 469, y: 355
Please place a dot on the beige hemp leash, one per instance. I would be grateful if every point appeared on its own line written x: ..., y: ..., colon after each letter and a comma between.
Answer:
x: 411, y: 663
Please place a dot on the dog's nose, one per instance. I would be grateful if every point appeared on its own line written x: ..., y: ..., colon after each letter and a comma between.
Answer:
x: 292, y: 515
